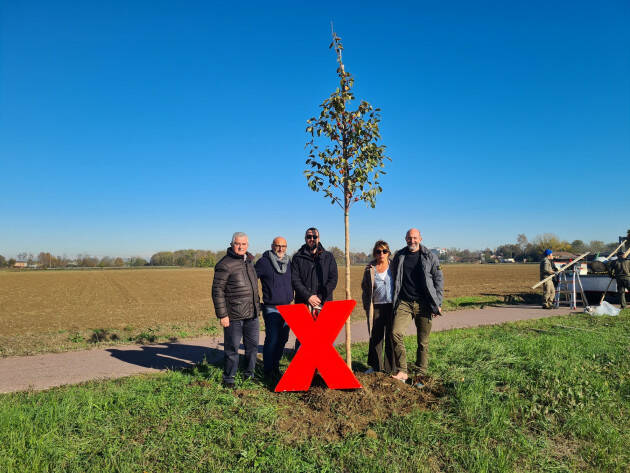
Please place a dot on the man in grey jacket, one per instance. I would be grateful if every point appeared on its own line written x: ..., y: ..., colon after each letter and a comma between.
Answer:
x: 237, y: 304
x: 418, y: 294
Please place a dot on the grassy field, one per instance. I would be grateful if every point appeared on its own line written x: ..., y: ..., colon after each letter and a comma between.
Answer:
x: 43, y: 311
x: 551, y: 395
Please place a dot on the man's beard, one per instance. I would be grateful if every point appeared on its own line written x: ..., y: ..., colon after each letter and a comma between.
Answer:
x: 413, y: 246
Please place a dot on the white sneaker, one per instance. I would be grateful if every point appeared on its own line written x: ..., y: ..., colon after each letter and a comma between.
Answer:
x: 369, y: 371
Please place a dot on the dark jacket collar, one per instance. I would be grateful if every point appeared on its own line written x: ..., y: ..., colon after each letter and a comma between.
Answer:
x: 305, y: 251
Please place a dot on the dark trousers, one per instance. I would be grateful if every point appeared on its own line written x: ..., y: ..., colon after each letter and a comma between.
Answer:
x: 622, y: 285
x: 276, y: 336
x: 248, y: 331
x: 381, y: 332
x: 422, y: 317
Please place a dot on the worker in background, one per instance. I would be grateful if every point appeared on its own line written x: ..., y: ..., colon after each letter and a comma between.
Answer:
x: 620, y: 270
x: 547, y: 268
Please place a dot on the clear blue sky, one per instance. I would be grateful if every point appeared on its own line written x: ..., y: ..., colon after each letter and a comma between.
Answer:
x: 132, y: 127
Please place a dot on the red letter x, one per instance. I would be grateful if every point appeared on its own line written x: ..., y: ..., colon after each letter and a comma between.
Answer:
x: 316, y: 351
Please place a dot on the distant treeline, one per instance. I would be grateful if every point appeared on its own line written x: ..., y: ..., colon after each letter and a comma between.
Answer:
x: 48, y: 260
x: 207, y: 258
x: 524, y: 250
x: 520, y: 251
x: 184, y: 258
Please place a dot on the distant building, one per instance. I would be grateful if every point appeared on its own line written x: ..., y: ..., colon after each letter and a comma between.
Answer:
x: 438, y: 251
x: 20, y: 264
x: 564, y: 255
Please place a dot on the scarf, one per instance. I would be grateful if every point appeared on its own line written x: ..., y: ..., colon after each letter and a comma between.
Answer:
x: 280, y: 265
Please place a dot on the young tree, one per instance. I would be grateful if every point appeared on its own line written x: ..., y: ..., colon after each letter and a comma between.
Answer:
x: 521, y: 241
x: 345, y: 159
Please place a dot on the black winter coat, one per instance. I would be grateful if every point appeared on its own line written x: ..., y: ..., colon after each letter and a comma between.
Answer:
x: 313, y: 275
x: 235, y: 287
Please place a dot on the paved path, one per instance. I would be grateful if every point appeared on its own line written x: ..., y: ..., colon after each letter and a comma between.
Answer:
x: 55, y: 369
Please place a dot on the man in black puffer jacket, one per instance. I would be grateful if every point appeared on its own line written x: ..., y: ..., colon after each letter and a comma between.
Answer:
x: 313, y: 272
x: 237, y: 304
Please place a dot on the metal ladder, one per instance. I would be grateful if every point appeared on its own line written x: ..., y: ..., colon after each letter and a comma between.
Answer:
x: 566, y: 292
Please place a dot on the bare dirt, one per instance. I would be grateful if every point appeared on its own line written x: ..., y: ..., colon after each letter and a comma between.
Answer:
x: 41, y: 301
x: 330, y: 414
x: 57, y: 311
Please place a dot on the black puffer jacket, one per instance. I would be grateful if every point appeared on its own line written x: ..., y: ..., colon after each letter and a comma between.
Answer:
x: 235, y: 287
x: 313, y: 274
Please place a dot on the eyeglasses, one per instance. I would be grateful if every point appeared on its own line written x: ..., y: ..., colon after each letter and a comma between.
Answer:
x: 379, y: 252
x: 312, y: 237
x: 280, y: 246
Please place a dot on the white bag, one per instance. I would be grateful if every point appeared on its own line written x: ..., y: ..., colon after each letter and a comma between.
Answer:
x: 605, y: 309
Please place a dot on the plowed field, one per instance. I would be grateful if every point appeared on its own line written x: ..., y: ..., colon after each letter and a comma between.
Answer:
x: 42, y: 301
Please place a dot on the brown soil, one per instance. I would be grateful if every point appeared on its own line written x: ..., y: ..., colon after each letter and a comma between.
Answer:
x: 329, y: 414
x: 44, y: 311
x: 44, y: 301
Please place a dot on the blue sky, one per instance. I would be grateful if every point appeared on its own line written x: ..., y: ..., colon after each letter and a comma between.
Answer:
x: 128, y: 128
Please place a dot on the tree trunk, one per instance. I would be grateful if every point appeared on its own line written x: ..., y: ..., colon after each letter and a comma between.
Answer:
x: 346, y: 221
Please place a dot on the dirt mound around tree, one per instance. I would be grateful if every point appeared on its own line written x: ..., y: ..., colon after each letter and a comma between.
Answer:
x: 330, y: 414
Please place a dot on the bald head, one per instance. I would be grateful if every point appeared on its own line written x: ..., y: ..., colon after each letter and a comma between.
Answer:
x: 279, y: 246
x: 413, y: 239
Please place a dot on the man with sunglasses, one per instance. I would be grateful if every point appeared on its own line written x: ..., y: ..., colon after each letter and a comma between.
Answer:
x: 418, y: 294
x: 313, y: 272
x: 274, y: 271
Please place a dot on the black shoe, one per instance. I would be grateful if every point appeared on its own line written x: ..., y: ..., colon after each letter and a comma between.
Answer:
x: 229, y: 385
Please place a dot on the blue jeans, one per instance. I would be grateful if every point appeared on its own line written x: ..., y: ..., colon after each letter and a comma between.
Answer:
x: 248, y: 331
x: 276, y: 336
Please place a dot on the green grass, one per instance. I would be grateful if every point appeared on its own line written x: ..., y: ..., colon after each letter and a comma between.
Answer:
x: 68, y: 340
x: 545, y: 395
x: 468, y: 302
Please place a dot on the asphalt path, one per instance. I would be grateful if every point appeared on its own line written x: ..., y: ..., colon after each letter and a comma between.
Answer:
x: 45, y: 371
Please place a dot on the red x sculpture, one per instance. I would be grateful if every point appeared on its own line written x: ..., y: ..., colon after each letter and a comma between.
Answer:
x: 316, y: 349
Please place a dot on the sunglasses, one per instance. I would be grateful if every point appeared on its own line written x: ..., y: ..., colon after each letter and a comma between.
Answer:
x: 312, y: 237
x: 381, y: 252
